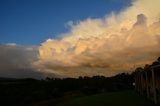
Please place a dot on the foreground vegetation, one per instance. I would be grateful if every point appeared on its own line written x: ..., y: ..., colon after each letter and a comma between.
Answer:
x: 123, y: 98
x: 30, y: 91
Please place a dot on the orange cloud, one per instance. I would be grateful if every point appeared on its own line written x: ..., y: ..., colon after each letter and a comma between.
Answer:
x: 106, y: 46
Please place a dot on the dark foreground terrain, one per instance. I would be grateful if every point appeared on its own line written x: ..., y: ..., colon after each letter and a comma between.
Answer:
x: 123, y: 98
x: 82, y: 91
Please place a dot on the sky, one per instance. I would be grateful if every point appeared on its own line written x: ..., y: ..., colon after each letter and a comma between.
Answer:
x: 30, y: 22
x: 77, y: 37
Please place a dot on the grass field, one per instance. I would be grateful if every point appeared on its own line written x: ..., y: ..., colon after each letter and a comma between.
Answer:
x: 125, y: 98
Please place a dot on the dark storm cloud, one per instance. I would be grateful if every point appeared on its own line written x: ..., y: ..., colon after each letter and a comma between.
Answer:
x: 16, y: 61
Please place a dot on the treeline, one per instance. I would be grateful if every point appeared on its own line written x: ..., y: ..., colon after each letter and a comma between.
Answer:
x: 148, y: 67
x: 26, y: 91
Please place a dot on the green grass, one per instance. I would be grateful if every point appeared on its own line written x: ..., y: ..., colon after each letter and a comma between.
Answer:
x: 125, y: 98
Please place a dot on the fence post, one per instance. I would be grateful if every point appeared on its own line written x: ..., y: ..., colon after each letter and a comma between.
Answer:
x: 147, y: 85
x: 154, y: 87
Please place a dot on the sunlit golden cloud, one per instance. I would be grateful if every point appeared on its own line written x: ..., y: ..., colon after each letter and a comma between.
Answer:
x: 106, y: 46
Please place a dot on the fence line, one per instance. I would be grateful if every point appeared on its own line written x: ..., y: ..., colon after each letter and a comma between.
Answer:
x: 147, y: 82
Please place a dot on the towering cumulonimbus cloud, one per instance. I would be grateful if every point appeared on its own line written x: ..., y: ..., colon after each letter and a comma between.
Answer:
x: 107, y: 46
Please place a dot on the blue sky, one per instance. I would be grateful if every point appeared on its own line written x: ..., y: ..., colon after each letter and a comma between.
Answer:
x: 30, y: 22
